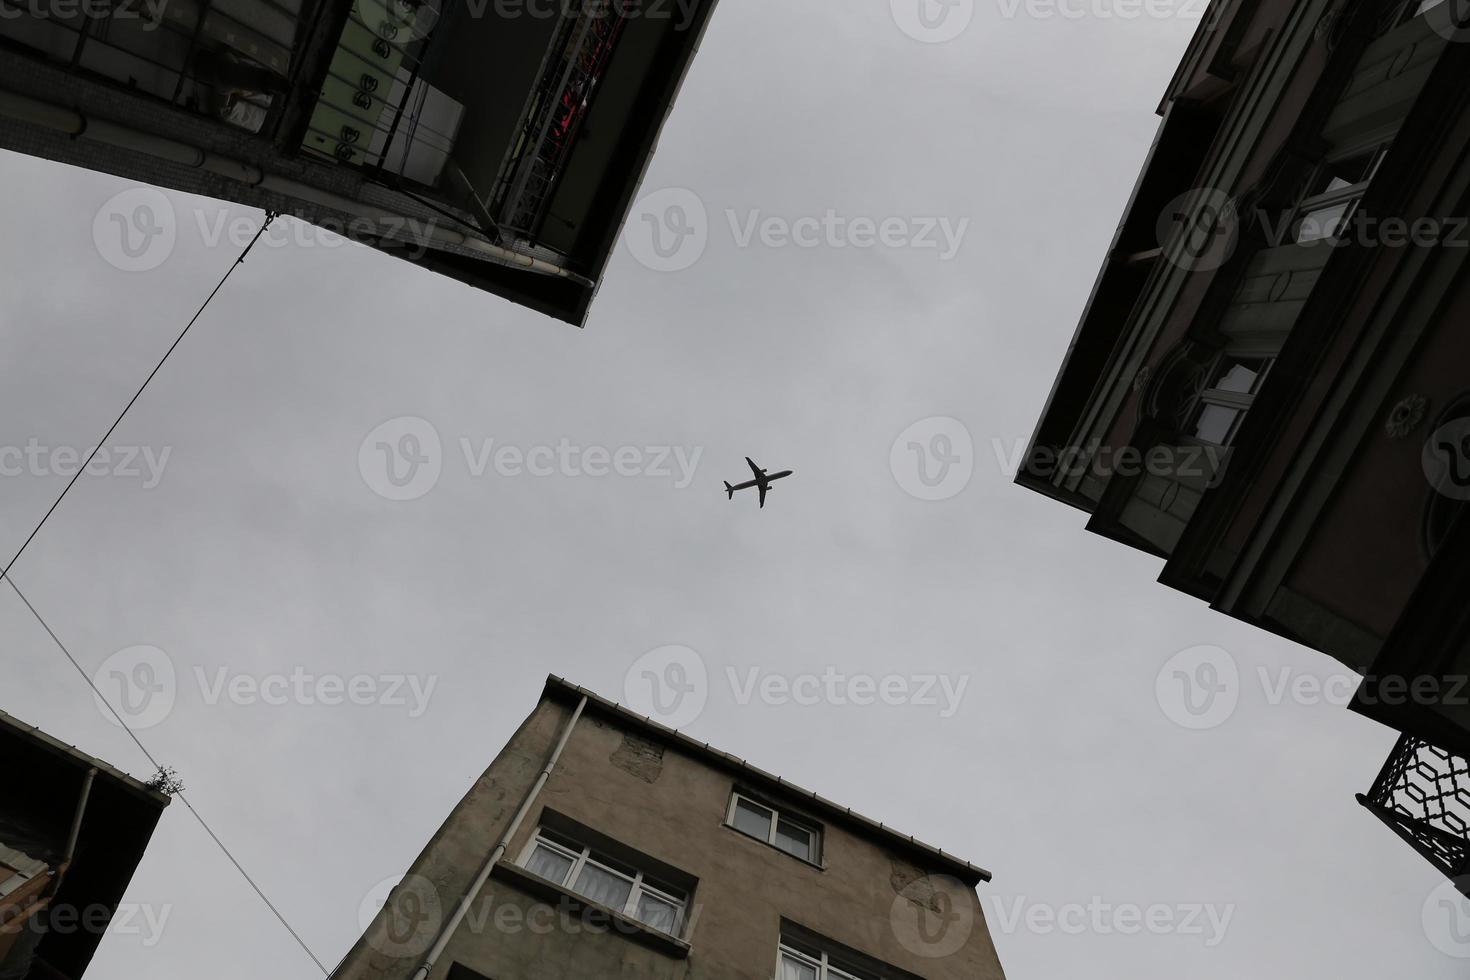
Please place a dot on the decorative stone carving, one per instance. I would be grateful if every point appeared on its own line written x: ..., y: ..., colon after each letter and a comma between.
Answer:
x: 1406, y: 416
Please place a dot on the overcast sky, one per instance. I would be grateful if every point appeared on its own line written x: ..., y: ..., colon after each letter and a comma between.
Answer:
x: 268, y: 543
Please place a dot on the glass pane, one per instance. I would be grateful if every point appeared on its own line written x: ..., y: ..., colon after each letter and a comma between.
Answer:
x: 657, y: 913
x: 794, y: 840
x: 1240, y: 376
x: 753, y: 820
x: 1215, y: 423
x: 794, y: 969
x: 1322, y: 223
x: 549, y: 864
x: 604, y: 887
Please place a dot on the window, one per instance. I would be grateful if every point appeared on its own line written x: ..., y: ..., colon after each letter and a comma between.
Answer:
x: 1332, y: 195
x: 607, y: 881
x: 807, y: 959
x: 796, y: 837
x: 1214, y: 411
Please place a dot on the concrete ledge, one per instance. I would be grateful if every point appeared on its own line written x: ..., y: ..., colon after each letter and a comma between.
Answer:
x: 592, y: 912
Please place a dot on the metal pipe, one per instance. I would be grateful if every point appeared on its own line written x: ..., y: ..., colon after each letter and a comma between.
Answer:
x: 76, y: 820
x: 469, y: 897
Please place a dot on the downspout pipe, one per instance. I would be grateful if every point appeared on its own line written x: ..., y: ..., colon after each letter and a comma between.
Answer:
x: 76, y: 827
x: 399, y: 227
x: 468, y: 899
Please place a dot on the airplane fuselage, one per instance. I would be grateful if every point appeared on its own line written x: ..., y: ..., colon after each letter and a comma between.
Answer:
x: 752, y: 484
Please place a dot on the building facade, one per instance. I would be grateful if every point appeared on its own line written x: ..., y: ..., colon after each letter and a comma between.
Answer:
x: 72, y: 831
x: 601, y: 844
x: 1269, y: 388
x: 499, y: 142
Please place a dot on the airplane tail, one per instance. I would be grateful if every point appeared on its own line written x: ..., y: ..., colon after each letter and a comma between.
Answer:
x: 730, y: 490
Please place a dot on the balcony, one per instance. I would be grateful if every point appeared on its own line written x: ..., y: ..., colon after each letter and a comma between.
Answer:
x: 1423, y: 794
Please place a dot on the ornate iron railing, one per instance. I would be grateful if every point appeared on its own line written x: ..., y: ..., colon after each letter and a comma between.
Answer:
x: 1423, y: 794
x: 579, y: 59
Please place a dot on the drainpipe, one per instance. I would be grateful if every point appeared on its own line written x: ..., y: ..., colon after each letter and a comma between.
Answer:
x: 447, y: 933
x: 399, y: 227
x: 76, y: 828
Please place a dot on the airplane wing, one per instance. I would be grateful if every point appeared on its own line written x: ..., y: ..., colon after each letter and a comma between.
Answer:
x: 764, y: 488
x: 754, y: 468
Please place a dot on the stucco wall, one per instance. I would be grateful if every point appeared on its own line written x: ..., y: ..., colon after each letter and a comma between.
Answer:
x: 671, y: 806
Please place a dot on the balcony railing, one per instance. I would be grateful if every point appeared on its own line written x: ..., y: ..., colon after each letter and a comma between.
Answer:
x: 1423, y: 794
x: 581, y: 50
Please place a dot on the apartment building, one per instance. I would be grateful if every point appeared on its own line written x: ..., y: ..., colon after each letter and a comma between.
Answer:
x: 601, y: 844
x: 1269, y: 388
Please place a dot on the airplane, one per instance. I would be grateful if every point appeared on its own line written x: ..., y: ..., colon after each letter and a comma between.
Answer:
x: 763, y: 480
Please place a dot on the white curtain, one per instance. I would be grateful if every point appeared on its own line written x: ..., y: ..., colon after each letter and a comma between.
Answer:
x: 604, y: 887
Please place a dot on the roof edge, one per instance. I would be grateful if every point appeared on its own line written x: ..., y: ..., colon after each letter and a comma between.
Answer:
x: 969, y: 873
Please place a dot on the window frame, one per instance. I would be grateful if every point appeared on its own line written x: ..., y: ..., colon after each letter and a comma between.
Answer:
x: 820, y: 959
x: 1207, y: 394
x: 778, y: 814
x: 547, y: 837
x: 1348, y: 197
